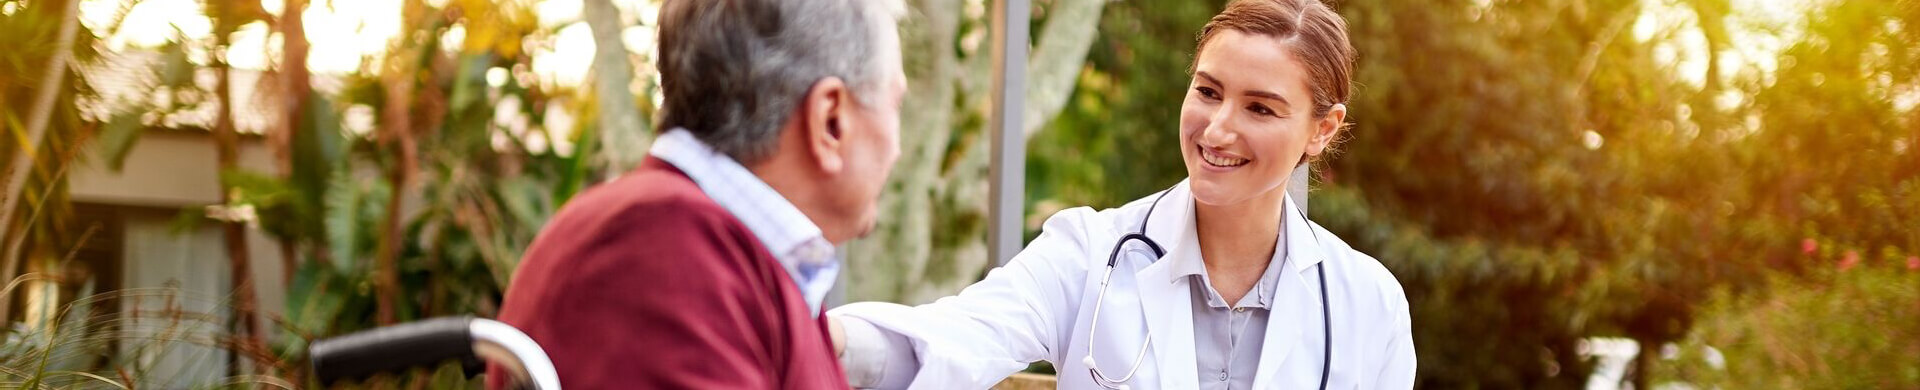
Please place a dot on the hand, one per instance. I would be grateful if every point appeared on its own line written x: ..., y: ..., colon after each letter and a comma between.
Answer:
x: 838, y: 334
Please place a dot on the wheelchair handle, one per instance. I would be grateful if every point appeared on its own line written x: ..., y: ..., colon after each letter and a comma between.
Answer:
x: 427, y: 343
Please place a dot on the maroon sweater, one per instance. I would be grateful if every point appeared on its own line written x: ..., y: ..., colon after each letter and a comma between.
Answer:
x: 646, y: 283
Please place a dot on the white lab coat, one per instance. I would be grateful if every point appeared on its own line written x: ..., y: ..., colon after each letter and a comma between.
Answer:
x: 1038, y: 307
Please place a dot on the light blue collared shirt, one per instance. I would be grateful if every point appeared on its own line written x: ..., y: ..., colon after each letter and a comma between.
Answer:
x: 792, y: 237
x: 1227, y: 338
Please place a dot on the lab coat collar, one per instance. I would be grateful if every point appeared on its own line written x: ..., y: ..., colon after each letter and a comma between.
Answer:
x: 1191, y: 265
x: 1170, y: 221
x: 1303, y: 244
x: 1296, y: 310
x: 1166, y: 301
x: 1172, y: 225
x: 1164, y: 297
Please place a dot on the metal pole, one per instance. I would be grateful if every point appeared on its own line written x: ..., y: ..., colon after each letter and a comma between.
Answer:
x: 1007, y: 193
x: 1297, y: 185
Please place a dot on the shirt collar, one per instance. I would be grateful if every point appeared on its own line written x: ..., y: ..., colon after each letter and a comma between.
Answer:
x: 1193, y: 266
x: 793, y: 238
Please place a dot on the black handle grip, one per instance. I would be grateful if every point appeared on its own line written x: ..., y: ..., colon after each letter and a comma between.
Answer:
x: 393, y: 349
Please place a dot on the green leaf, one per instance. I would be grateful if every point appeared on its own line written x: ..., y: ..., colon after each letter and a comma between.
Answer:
x: 175, y: 70
x: 342, y: 220
x: 187, y: 220
x: 316, y: 153
x: 523, y: 199
x: 470, y: 84
x: 274, y: 198
x: 255, y: 188
x: 117, y: 138
x: 315, y: 299
x: 577, y: 170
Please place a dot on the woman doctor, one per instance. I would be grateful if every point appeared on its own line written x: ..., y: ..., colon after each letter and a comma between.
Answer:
x: 1217, y: 283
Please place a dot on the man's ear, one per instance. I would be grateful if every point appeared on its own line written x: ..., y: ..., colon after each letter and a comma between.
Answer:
x: 1326, y: 128
x: 825, y: 119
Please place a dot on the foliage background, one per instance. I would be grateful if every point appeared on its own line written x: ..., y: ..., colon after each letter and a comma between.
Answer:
x: 1720, y: 181
x: 1539, y: 172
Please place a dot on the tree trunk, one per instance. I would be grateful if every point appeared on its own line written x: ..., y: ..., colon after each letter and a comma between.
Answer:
x: 22, y: 164
x: 296, y: 84
x: 623, y: 137
x: 1640, y: 374
x: 397, y: 135
x: 227, y: 151
x: 933, y: 241
x: 1059, y: 53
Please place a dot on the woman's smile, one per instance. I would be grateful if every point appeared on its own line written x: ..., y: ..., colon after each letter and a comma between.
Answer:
x: 1217, y: 159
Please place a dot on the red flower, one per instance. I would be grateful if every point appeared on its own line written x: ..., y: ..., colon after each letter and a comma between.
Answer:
x: 1849, y: 260
x: 1913, y: 263
x: 1807, y: 246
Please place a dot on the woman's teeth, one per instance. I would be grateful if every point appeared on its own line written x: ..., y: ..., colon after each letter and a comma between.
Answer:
x: 1219, y: 160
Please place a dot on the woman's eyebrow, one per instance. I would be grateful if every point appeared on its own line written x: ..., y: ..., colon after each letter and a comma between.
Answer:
x: 1203, y: 74
x: 1284, y: 104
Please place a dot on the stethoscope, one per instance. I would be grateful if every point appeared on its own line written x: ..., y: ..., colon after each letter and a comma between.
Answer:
x: 1326, y: 310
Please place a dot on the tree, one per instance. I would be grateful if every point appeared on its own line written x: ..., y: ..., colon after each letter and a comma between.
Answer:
x: 449, y: 235
x: 42, y: 112
x: 398, y: 79
x: 1110, y: 145
x: 931, y: 242
x: 296, y: 84
x: 623, y: 132
x: 1538, y: 171
x: 227, y: 17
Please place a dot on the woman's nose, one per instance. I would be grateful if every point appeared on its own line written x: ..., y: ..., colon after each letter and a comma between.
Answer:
x: 1217, y: 132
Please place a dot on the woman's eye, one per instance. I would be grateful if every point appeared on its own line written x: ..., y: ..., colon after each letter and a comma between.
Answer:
x: 1208, y: 93
x: 1261, y: 109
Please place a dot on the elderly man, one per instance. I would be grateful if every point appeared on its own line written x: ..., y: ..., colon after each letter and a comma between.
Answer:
x: 705, y: 267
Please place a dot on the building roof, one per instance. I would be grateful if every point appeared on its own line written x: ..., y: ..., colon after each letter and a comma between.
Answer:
x: 130, y: 81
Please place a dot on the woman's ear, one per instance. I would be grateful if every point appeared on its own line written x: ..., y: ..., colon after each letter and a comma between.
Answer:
x: 824, y: 124
x: 1326, y: 129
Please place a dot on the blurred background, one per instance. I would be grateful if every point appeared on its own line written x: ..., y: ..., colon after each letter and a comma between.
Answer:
x: 1575, y: 193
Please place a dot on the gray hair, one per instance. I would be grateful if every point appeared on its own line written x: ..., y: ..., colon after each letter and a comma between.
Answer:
x: 732, y: 71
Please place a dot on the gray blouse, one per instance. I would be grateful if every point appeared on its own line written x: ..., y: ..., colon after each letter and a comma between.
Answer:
x: 1227, y: 338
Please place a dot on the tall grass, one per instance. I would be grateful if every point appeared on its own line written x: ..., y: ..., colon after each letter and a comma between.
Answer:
x: 125, y: 339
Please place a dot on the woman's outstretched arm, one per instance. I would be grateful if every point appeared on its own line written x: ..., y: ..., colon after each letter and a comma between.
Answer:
x: 1020, y: 313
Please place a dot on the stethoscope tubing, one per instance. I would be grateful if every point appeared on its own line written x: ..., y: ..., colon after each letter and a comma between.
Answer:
x: 1326, y: 306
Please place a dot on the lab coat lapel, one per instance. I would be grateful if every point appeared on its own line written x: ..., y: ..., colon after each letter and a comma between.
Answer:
x: 1165, y: 301
x: 1296, y: 308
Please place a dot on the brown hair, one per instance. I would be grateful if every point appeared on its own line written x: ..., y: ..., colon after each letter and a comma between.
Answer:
x: 1317, y: 34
